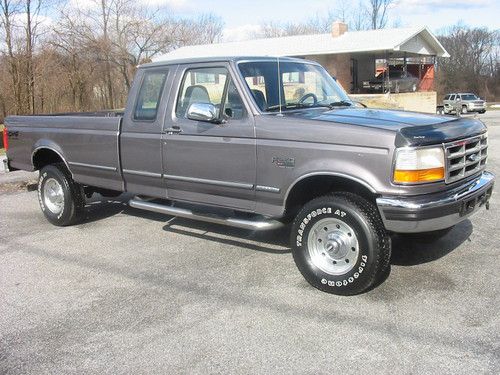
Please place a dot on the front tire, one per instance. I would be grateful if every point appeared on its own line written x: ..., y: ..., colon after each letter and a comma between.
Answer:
x: 464, y: 109
x: 61, y: 199
x: 339, y: 244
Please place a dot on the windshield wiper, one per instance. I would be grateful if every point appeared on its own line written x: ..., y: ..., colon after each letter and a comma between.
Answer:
x: 340, y: 103
x: 285, y: 106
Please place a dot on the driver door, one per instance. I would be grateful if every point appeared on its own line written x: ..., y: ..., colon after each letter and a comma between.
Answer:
x: 205, y: 162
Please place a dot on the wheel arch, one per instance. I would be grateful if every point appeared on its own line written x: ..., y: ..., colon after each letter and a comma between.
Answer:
x: 43, y: 155
x: 313, y: 185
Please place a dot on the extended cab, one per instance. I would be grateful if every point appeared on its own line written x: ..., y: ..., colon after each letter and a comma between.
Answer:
x: 257, y: 143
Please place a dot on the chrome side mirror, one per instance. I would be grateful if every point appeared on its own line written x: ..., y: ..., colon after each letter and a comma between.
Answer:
x: 202, y: 112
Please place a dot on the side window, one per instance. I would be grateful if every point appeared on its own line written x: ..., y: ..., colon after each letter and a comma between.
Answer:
x: 233, y: 106
x: 447, y: 97
x: 209, y: 85
x: 148, y: 100
x: 204, y: 85
x: 452, y: 97
x: 257, y: 85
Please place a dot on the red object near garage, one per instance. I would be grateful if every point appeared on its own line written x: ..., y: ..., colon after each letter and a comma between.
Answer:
x: 5, y: 139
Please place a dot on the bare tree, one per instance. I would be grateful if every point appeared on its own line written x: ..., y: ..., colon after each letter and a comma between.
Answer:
x: 75, y: 58
x: 378, y: 12
x: 315, y: 25
x: 118, y: 35
x: 474, y: 64
x: 356, y: 16
x: 359, y: 20
x: 209, y: 28
x: 10, y: 9
x: 205, y: 29
x: 32, y: 11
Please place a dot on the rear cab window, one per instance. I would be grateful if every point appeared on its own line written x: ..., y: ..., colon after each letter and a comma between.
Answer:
x: 148, y: 99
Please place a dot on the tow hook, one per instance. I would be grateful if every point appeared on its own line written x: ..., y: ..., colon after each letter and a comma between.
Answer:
x: 487, y: 205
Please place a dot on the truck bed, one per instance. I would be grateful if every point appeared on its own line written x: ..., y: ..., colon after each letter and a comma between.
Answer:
x: 110, y: 113
x: 87, y: 142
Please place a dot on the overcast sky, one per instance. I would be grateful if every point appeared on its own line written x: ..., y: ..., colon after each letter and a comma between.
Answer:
x: 243, y: 17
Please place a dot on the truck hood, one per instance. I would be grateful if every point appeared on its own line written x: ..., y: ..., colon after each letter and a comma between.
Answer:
x: 412, y: 128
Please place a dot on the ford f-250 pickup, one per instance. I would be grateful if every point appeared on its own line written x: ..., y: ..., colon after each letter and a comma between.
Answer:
x: 257, y: 143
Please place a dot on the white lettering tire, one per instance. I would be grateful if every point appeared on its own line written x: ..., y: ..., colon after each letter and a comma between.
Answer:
x: 61, y: 199
x: 339, y: 244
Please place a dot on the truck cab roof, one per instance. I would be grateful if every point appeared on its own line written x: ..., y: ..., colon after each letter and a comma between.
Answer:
x: 236, y: 59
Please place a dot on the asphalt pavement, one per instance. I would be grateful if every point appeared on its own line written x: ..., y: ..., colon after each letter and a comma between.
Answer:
x: 132, y: 292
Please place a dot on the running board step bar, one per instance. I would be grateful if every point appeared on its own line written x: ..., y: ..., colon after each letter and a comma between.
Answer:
x: 258, y: 225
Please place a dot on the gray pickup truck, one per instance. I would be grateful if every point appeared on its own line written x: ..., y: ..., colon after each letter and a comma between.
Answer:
x: 258, y: 143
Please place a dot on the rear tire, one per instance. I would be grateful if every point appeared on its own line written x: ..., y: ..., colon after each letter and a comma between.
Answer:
x: 61, y: 198
x: 339, y: 244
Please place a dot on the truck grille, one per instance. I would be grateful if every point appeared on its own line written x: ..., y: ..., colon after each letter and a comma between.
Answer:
x: 465, y: 157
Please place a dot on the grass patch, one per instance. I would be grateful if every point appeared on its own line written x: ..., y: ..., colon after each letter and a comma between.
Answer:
x: 2, y: 151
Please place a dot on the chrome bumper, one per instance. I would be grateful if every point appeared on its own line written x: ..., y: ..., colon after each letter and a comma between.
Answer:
x: 436, y: 211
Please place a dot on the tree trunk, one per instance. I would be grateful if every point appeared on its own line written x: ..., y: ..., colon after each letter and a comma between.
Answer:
x: 30, y: 75
x: 107, y: 46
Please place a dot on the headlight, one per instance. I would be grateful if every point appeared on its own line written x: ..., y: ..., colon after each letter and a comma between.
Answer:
x: 415, y: 166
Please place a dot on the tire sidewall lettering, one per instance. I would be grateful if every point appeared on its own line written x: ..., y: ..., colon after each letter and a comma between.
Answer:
x: 302, y: 232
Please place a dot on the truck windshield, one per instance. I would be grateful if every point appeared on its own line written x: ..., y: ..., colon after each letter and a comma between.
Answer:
x: 469, y: 97
x: 291, y: 85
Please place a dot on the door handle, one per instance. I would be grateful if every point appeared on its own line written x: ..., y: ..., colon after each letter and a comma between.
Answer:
x: 173, y: 130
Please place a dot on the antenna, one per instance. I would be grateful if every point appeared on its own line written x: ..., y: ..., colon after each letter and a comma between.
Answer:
x: 279, y: 85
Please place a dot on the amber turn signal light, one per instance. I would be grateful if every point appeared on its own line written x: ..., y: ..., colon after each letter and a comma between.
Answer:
x: 419, y: 175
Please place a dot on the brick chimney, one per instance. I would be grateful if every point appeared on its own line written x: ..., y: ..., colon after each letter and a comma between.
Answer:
x: 338, y: 28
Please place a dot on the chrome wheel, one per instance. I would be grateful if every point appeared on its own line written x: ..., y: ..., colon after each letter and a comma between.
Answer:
x: 333, y: 246
x: 464, y: 109
x: 53, y: 196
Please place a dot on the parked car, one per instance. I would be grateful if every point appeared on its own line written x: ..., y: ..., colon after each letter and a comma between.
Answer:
x: 398, y: 81
x: 223, y: 140
x: 463, y: 103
